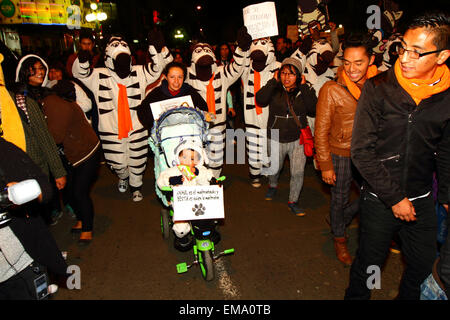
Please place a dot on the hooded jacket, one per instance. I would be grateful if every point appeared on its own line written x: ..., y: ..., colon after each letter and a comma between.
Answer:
x: 273, y: 95
x: 65, y: 120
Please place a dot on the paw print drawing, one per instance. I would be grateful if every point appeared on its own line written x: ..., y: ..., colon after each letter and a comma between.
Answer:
x: 199, y: 209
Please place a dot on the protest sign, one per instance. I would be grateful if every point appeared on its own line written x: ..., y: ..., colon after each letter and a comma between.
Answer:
x: 197, y: 203
x: 261, y: 20
x: 161, y: 106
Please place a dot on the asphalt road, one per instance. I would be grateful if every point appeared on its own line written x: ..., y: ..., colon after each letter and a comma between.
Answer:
x: 278, y: 256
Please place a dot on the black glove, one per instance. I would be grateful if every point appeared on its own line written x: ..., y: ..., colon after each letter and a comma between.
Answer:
x: 244, y: 40
x: 156, y: 39
x: 84, y: 55
x: 65, y: 89
x: 176, y: 180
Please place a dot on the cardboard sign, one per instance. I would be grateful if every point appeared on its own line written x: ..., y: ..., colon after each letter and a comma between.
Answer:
x: 197, y: 203
x: 261, y: 20
x: 161, y: 106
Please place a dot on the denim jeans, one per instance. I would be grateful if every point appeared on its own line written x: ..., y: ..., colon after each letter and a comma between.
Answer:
x: 297, y: 161
x: 377, y: 227
x: 430, y: 290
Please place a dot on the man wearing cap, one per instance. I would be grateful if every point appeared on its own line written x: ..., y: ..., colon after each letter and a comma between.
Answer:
x: 289, y: 102
x: 336, y: 107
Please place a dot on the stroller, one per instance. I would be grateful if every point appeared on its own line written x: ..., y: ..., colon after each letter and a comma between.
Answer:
x: 172, y: 128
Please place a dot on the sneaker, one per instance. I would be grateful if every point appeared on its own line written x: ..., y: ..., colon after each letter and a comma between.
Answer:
x: 123, y: 185
x: 256, y: 183
x: 299, y: 212
x: 271, y: 193
x: 56, y: 215
x: 137, y: 196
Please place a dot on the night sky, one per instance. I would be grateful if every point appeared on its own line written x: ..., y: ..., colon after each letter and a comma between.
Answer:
x: 220, y: 19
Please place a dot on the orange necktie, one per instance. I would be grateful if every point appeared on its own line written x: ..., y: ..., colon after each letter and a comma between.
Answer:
x: 124, y: 115
x: 210, y: 98
x: 257, y: 83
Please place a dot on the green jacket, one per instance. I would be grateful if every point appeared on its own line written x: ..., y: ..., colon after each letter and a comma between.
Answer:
x: 39, y: 143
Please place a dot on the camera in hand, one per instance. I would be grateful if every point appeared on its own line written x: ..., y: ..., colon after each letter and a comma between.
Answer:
x: 17, y: 194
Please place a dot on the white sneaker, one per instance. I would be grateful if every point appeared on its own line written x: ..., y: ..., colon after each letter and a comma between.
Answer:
x: 122, y: 185
x: 137, y: 196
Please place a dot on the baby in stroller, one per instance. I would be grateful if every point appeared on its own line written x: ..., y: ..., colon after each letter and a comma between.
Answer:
x: 178, y: 140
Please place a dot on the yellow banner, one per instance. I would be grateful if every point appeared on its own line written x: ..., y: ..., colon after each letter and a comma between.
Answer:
x: 61, y: 12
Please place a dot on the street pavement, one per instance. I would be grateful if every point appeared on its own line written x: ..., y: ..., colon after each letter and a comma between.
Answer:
x: 278, y: 256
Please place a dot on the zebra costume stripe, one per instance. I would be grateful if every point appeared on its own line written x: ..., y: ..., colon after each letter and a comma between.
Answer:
x: 126, y: 156
x: 256, y: 124
x: 307, y: 12
x: 309, y: 61
x: 224, y: 77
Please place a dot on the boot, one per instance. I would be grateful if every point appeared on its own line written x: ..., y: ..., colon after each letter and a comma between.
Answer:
x: 340, y: 245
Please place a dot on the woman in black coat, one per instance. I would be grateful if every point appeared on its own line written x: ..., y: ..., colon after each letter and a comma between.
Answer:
x: 172, y: 86
x: 278, y: 94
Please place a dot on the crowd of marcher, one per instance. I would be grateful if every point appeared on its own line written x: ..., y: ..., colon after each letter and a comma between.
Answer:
x: 380, y: 119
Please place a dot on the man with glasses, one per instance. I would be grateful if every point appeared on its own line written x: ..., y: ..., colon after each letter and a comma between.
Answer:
x: 401, y: 135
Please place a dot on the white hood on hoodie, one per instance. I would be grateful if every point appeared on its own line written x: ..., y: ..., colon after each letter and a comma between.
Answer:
x: 19, y: 66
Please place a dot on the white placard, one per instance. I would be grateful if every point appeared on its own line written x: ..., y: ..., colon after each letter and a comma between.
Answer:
x: 197, y: 203
x: 261, y: 20
x: 161, y: 106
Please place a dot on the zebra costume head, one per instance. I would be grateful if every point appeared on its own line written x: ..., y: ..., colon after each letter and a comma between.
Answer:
x: 390, y: 53
x: 203, y: 61
x: 118, y: 56
x: 262, y: 53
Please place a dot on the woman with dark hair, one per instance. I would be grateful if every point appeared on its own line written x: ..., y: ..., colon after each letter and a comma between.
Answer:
x: 70, y: 129
x: 172, y: 86
x: 289, y: 103
x: 224, y: 54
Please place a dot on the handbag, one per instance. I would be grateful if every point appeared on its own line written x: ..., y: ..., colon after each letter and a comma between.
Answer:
x: 306, y: 137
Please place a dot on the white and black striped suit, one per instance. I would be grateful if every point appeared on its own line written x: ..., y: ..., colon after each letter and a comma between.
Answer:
x: 256, y: 124
x: 127, y: 156
x: 224, y: 77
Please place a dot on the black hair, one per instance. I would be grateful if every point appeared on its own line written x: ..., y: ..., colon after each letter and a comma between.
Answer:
x: 359, y: 39
x: 437, y: 22
x: 175, y: 64
x: 84, y: 34
x: 230, y: 52
x: 26, y: 67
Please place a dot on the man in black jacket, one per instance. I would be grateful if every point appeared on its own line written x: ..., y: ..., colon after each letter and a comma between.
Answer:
x: 401, y: 135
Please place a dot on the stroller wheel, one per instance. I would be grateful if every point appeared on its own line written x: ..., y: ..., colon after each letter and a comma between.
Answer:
x: 165, y: 223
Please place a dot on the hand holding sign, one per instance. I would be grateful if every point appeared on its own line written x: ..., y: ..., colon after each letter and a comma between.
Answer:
x: 261, y: 20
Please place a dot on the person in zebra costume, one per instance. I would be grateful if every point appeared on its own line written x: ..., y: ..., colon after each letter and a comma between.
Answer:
x: 212, y: 82
x: 260, y: 69
x: 119, y: 89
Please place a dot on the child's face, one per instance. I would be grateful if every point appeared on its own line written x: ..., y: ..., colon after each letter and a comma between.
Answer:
x: 188, y: 158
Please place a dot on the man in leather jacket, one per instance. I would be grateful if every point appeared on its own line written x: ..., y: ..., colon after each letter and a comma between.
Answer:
x: 401, y: 135
x: 335, y: 112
